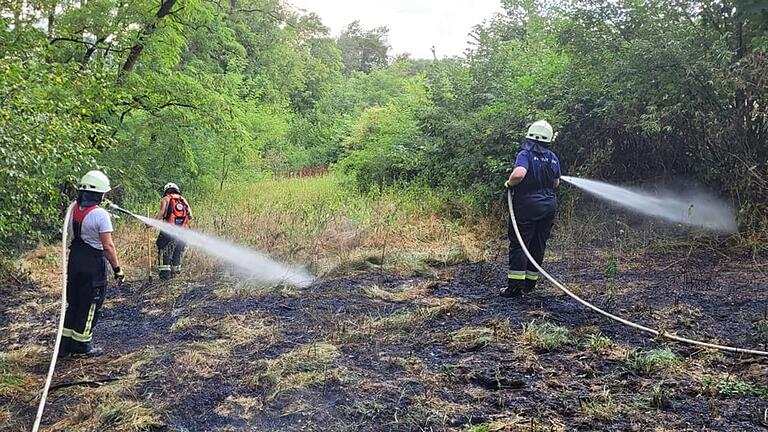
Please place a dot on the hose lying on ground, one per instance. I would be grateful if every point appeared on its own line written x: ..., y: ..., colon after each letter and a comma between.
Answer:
x: 52, y: 367
x: 657, y: 333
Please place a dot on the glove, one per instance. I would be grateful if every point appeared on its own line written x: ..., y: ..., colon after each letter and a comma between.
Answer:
x: 506, y: 184
x: 119, y: 275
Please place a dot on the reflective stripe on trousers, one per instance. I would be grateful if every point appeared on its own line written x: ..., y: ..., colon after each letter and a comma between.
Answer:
x: 86, y: 335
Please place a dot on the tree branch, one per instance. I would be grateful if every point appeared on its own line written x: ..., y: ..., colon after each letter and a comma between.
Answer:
x: 166, y: 7
x: 271, y: 14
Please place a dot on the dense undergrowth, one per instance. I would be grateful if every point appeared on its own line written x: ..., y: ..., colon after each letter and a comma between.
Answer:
x: 215, y: 96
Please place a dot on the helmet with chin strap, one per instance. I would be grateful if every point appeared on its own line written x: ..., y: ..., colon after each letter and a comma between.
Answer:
x: 541, y: 130
x: 94, y: 181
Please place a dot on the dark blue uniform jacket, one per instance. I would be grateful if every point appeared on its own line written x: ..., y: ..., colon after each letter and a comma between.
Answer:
x: 535, y: 196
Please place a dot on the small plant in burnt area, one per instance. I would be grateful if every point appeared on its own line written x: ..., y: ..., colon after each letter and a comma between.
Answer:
x: 598, y: 343
x: 545, y: 336
x: 653, y: 361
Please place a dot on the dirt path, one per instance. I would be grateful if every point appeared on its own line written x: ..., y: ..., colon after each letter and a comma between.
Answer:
x: 433, y: 352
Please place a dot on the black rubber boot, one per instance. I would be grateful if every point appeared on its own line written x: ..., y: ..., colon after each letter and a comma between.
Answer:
x: 529, y: 286
x: 65, y: 348
x: 514, y: 289
x: 88, y: 350
x: 165, y: 274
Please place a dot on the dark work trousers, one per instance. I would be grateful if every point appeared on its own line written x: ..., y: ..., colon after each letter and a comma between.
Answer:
x: 86, y: 287
x: 535, y: 215
x: 170, y: 252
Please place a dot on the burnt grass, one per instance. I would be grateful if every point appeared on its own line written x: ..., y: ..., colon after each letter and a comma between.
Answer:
x: 400, y: 365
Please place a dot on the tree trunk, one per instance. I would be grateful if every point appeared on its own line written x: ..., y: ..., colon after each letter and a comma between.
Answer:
x: 136, y: 49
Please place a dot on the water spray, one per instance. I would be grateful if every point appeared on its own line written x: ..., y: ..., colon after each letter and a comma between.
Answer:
x: 247, y: 263
x: 657, y: 333
x: 696, y: 208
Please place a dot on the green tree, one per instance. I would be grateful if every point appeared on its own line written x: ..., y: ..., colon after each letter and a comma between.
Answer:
x: 363, y: 50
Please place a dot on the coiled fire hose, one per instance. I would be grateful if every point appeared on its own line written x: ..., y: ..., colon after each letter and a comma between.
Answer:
x: 657, y: 333
x: 56, y: 345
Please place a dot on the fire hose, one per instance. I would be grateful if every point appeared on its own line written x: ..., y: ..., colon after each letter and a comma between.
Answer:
x: 62, y: 313
x: 657, y: 333
x: 555, y: 282
x: 57, y: 344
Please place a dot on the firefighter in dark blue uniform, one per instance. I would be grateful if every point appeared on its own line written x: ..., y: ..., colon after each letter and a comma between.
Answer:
x: 533, y: 182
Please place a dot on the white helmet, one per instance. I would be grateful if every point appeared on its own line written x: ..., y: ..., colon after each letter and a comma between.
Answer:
x: 94, y: 181
x: 169, y: 186
x: 541, y: 130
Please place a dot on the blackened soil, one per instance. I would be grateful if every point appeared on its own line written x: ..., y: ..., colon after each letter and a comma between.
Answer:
x: 410, y: 374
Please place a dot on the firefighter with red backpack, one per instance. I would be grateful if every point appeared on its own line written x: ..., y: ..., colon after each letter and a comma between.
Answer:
x: 175, y: 210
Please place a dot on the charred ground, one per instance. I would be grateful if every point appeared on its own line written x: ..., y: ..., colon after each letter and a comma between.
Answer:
x: 436, y: 350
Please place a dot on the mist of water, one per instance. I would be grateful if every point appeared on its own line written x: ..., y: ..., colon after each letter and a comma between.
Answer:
x: 245, y: 261
x: 692, y: 207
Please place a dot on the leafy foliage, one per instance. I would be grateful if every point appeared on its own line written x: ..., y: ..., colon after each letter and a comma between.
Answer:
x: 209, y: 93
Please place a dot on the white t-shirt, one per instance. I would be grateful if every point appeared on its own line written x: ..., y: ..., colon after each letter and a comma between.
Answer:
x: 95, y: 222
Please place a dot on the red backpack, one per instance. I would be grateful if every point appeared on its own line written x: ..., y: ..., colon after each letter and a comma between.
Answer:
x: 177, y: 212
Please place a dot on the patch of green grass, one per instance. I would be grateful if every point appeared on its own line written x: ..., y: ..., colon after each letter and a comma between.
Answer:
x: 650, y: 362
x: 600, y: 406
x: 470, y: 338
x: 660, y: 397
x: 760, y: 330
x: 609, y: 297
x: 598, y: 343
x: 545, y: 336
x: 611, y: 267
x: 10, y: 384
x: 729, y: 386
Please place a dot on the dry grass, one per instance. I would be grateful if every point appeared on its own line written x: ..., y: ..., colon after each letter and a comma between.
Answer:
x: 246, y: 290
x: 115, y: 413
x: 240, y: 406
x: 202, y: 358
x: 250, y: 328
x: 402, y: 323
x: 299, y: 368
x: 402, y: 293
x: 183, y: 323
x: 316, y: 221
x: 17, y: 371
x: 520, y: 423
x: 470, y: 338
x: 117, y: 406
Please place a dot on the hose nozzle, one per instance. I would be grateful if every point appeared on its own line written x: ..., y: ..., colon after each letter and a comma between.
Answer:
x: 114, y: 207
